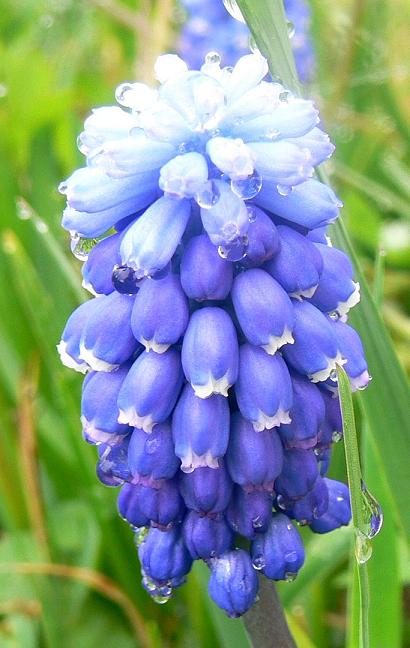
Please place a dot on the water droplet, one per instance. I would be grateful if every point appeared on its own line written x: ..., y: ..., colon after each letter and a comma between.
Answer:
x: 363, y: 548
x: 372, y: 513
x: 24, y: 211
x: 165, y: 590
x: 247, y: 188
x: 257, y: 522
x: 337, y: 436
x: 160, y: 600
x: 284, y: 190
x: 81, y: 247
x: 333, y: 375
x: 290, y: 576
x: 291, y: 556
x: 252, y: 215
x: 334, y: 315
x: 259, y: 562
x: 208, y: 196
x: 212, y: 58
x: 234, y: 251
x: 281, y: 502
x: 272, y: 134
x: 232, y: 7
x: 284, y: 96
x: 140, y: 536
x: 291, y: 28
x: 3, y: 90
x: 125, y: 280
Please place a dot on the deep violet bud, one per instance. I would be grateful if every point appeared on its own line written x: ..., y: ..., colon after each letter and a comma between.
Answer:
x: 99, y: 410
x: 161, y: 503
x: 128, y: 507
x: 97, y: 270
x: 299, y: 279
x: 210, y: 352
x: 204, y: 274
x: 160, y: 314
x: 323, y: 457
x: 254, y: 459
x: 351, y: 348
x: 315, y: 352
x: 107, y: 340
x: 227, y: 219
x: 336, y: 292
x: 206, y: 537
x: 150, y: 390
x: 249, y: 513
x: 233, y: 584
x: 164, y: 556
x: 299, y: 473
x: 264, y: 388
x: 69, y: 345
x: 151, y: 241
x: 338, y: 511
x: 263, y: 238
x: 206, y: 490
x: 310, y: 507
x: 307, y: 415
x: 263, y: 309
x: 113, y: 462
x: 152, y: 455
x: 310, y: 204
x: 278, y: 553
x: 200, y: 429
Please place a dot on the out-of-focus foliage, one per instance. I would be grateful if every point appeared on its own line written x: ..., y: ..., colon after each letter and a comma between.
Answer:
x: 57, y: 60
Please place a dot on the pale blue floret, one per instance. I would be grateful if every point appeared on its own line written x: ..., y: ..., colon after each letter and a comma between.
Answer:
x: 351, y: 348
x: 150, y: 243
x: 210, y: 353
x: 263, y: 388
x: 69, y: 345
x: 227, y: 219
x: 184, y: 175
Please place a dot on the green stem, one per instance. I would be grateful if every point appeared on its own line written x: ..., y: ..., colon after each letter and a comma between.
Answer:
x: 265, y: 622
x: 363, y: 579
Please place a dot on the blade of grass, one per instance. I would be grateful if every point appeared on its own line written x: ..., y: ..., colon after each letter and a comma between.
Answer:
x: 362, y: 548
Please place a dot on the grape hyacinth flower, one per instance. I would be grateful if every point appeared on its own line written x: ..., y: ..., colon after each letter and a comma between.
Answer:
x: 217, y: 321
x: 209, y: 27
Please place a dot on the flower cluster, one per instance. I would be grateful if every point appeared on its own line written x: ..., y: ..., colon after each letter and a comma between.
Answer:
x: 218, y: 321
x: 210, y: 27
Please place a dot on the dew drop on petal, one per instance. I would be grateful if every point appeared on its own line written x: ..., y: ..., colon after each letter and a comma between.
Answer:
x: 290, y: 576
x: 283, y: 190
x: 336, y: 436
x: 259, y: 562
x: 125, y: 280
x: 81, y: 247
x: 249, y: 187
x: 212, y: 58
x: 252, y: 216
x: 235, y: 250
x: 208, y: 195
x: 291, y: 28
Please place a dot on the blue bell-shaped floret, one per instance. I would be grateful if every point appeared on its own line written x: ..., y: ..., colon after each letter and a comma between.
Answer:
x: 278, y: 553
x: 97, y: 270
x: 336, y: 292
x: 263, y: 238
x: 206, y: 537
x: 153, y: 455
x: 161, y: 503
x: 307, y: 415
x: 204, y: 273
x: 128, y: 507
x: 249, y: 513
x: 233, y: 583
x: 206, y: 490
x: 338, y: 511
x: 299, y: 474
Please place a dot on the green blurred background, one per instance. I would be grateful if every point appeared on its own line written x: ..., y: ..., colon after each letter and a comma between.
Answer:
x: 69, y: 574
